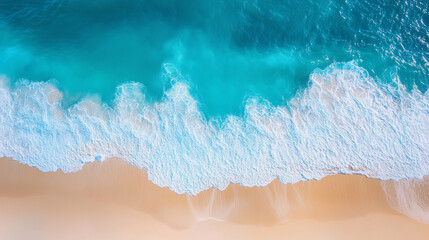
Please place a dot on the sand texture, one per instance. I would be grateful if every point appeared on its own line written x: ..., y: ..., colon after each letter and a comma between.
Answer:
x: 115, y: 200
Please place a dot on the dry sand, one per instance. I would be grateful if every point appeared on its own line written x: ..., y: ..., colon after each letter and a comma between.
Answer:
x: 114, y: 200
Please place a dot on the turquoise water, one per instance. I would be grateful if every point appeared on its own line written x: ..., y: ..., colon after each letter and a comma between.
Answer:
x: 227, y: 50
x: 205, y: 93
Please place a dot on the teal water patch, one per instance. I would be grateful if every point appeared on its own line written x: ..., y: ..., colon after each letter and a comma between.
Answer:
x: 228, y: 50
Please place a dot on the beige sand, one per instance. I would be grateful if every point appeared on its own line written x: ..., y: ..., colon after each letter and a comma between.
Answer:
x: 113, y: 200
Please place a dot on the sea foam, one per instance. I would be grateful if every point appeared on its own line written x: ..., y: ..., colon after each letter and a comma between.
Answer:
x: 343, y: 122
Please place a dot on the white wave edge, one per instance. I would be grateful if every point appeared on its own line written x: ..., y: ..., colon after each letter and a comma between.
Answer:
x: 344, y: 122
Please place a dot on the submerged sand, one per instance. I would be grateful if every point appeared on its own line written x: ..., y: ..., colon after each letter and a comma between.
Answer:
x: 114, y: 200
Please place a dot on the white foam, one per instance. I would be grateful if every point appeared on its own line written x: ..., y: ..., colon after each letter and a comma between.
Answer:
x: 409, y: 197
x: 344, y: 122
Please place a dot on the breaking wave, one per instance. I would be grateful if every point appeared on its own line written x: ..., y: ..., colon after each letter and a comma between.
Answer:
x: 343, y: 122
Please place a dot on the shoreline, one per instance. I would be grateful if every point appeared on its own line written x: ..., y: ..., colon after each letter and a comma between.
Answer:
x: 349, y: 200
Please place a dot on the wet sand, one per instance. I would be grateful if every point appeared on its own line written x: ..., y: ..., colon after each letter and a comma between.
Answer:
x: 114, y: 200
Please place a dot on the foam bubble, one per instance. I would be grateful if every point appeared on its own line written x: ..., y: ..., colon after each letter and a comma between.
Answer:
x: 344, y: 122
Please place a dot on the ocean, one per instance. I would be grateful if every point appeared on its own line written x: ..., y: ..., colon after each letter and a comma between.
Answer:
x: 202, y: 94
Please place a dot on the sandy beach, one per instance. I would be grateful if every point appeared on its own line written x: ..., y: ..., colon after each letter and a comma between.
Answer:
x: 114, y: 200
